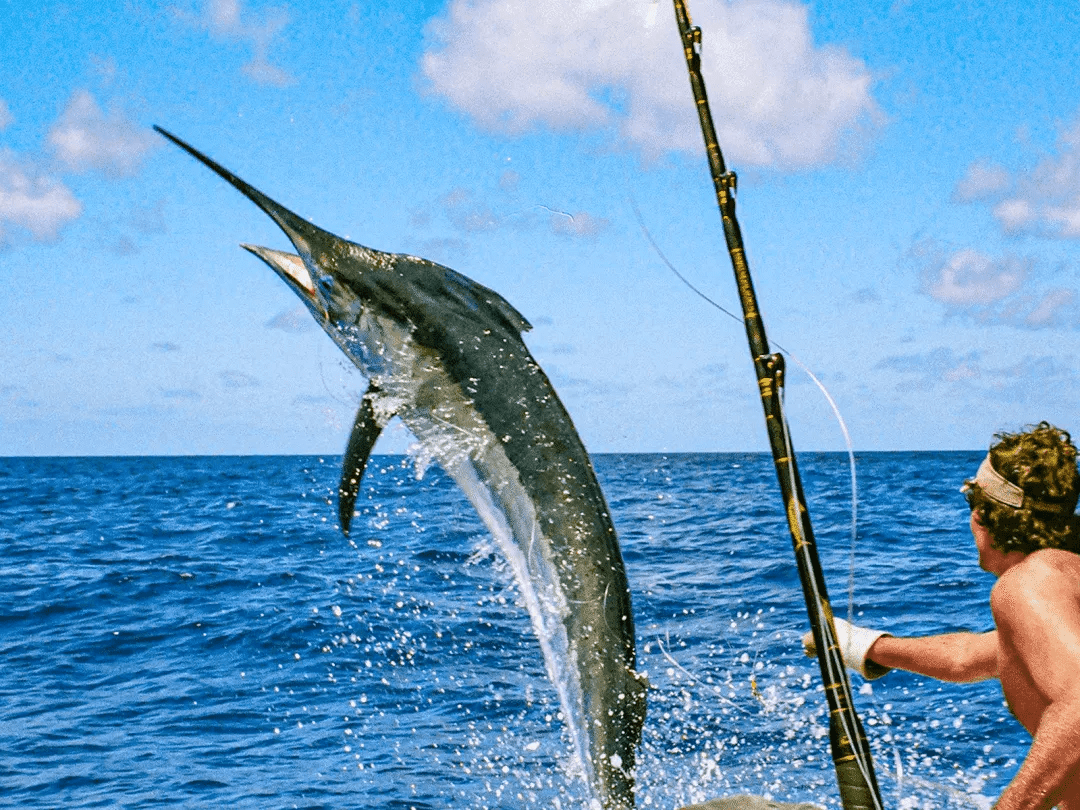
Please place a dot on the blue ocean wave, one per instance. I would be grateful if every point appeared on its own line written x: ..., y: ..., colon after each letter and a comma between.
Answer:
x: 195, y: 632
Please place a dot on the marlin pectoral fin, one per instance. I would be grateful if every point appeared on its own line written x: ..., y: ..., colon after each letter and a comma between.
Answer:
x: 365, y: 432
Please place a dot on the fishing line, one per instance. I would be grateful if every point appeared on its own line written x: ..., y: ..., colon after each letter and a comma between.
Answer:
x: 826, y: 630
x: 834, y: 676
x: 825, y: 392
x: 497, y: 220
x: 694, y: 679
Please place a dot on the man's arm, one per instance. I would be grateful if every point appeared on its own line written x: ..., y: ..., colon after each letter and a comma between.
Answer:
x: 1037, y: 610
x: 956, y: 657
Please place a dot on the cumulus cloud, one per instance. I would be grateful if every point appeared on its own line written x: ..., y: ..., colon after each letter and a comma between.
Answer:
x: 1056, y: 307
x: 1014, y: 215
x: 83, y: 138
x: 38, y: 203
x: 982, y: 181
x: 228, y: 20
x: 86, y: 138
x: 998, y: 291
x: 1046, y: 201
x: 779, y: 98
x: 969, y: 278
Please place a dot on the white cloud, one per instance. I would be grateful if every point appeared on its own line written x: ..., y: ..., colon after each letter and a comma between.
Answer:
x: 969, y: 278
x: 982, y: 181
x: 999, y: 291
x: 222, y: 17
x: 1022, y: 374
x: 1014, y: 215
x: 1047, y: 200
x: 82, y: 138
x: 38, y: 203
x: 778, y: 98
x: 228, y: 20
x: 1056, y: 306
x: 6, y: 119
x: 86, y: 138
x: 1064, y: 220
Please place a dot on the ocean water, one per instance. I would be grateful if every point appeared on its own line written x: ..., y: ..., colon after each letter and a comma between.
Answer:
x: 196, y: 632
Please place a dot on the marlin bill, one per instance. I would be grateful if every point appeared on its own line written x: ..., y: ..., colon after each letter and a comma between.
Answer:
x: 445, y: 355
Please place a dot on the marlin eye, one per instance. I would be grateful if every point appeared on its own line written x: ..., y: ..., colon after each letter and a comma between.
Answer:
x: 326, y: 285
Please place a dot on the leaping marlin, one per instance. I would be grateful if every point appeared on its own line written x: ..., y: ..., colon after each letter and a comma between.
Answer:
x: 445, y: 354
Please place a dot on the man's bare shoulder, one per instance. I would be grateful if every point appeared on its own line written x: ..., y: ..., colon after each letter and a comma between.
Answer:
x: 1051, y: 563
x: 1049, y: 575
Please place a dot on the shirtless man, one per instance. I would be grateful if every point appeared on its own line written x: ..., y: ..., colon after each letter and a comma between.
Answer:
x: 1022, y: 518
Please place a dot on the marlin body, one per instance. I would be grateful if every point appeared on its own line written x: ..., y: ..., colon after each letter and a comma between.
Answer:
x: 445, y: 355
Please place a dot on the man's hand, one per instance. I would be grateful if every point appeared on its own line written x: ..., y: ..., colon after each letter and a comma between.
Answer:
x: 854, y: 642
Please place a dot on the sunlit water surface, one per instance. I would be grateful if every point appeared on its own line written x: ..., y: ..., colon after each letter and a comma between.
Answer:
x: 195, y: 632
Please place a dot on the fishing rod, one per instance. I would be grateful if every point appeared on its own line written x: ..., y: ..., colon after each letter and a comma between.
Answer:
x: 850, y: 749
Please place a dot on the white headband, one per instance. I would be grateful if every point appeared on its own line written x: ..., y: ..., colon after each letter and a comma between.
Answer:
x: 997, y: 487
x: 1000, y: 490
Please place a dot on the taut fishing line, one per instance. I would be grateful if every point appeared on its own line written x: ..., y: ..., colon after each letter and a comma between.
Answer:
x: 825, y: 392
x: 826, y: 627
x: 850, y: 748
x: 835, y: 676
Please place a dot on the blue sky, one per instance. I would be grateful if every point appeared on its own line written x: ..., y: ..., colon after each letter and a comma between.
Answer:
x: 909, y: 194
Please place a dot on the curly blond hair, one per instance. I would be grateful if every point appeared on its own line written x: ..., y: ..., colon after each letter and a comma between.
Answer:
x: 1041, y: 460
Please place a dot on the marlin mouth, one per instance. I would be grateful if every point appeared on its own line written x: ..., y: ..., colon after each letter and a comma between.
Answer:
x: 291, y: 266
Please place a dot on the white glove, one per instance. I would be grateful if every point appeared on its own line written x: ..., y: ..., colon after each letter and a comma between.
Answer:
x: 854, y: 643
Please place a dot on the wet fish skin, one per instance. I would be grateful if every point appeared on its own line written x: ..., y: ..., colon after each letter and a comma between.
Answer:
x: 446, y: 355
